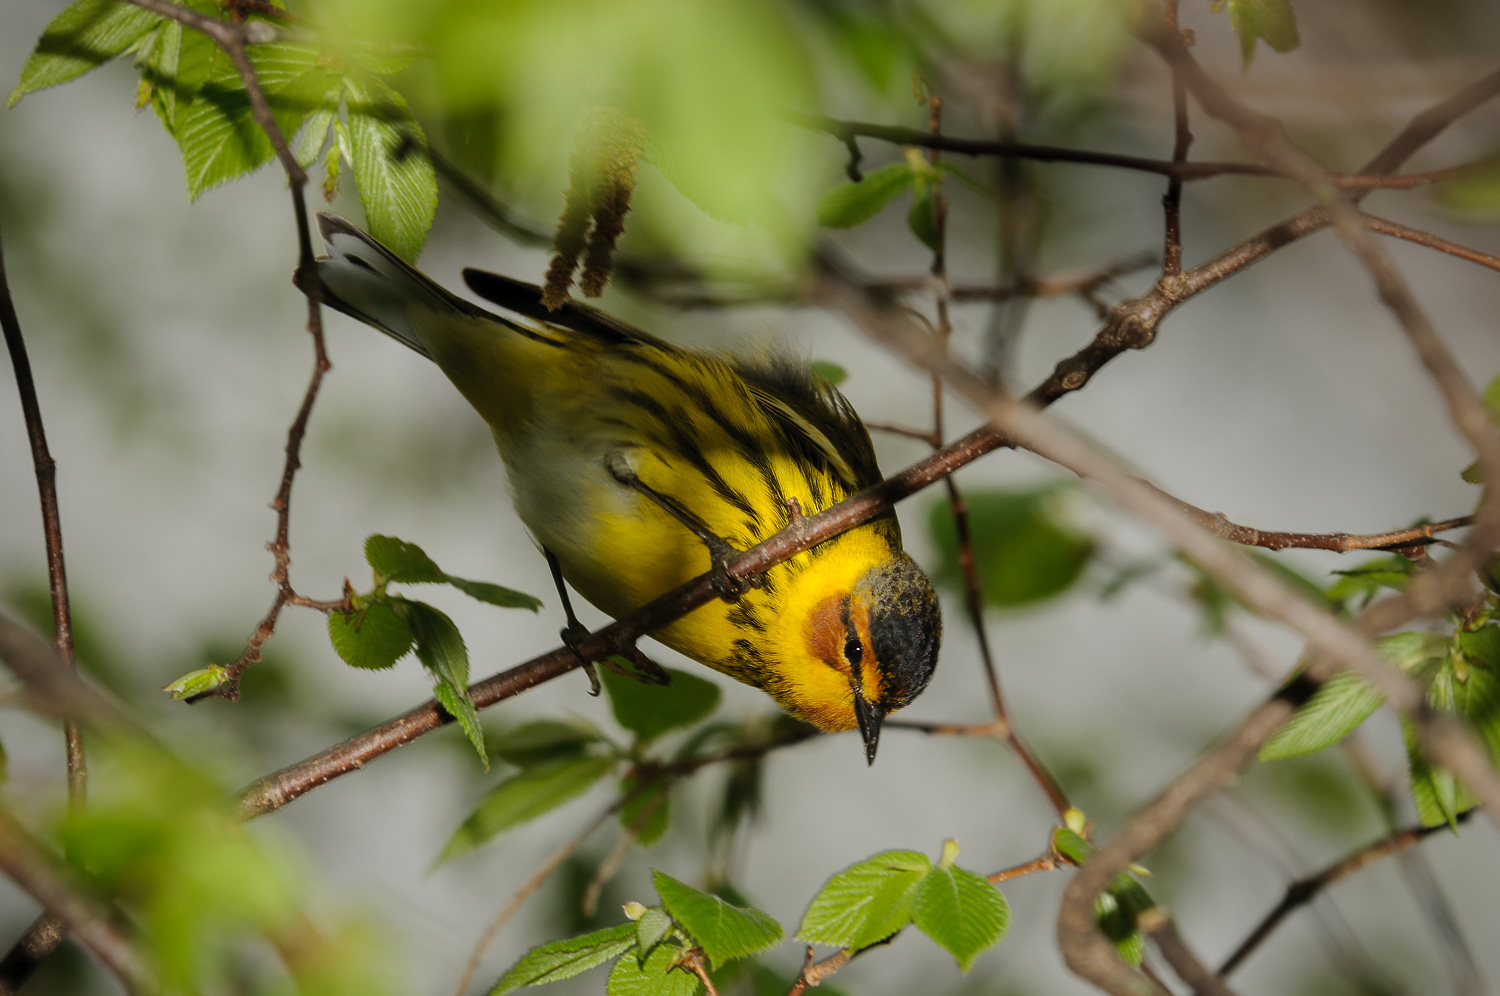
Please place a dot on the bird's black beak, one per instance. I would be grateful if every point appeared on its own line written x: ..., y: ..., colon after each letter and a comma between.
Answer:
x: 869, y: 718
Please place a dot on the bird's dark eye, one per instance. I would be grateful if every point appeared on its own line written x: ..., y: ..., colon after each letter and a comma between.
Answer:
x: 853, y: 650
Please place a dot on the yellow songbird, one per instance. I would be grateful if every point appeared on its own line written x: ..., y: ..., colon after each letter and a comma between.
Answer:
x: 638, y: 465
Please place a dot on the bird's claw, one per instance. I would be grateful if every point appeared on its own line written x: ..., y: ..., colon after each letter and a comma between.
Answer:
x: 572, y: 635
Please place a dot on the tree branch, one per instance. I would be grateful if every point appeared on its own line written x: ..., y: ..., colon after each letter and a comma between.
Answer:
x: 43, y: 937
x: 1302, y: 891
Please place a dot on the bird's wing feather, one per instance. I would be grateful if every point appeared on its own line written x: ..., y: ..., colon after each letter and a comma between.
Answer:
x: 526, y: 299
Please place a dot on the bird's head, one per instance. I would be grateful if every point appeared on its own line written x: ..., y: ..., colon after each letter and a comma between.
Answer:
x: 870, y: 640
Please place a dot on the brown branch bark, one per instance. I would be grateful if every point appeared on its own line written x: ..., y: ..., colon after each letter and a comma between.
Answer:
x: 1397, y: 230
x: 1187, y: 172
x: 1399, y: 539
x: 1302, y: 891
x: 43, y: 937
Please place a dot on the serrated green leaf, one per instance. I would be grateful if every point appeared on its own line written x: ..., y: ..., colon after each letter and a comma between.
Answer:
x: 1482, y: 645
x: 855, y: 203
x: 397, y: 184
x: 922, y: 216
x: 1025, y: 545
x: 1345, y: 701
x: 648, y: 711
x: 1271, y: 20
x: 543, y: 740
x: 523, y: 797
x: 830, y: 371
x: 724, y: 931
x: 1334, y: 711
x: 866, y: 902
x: 494, y: 594
x: 651, y: 928
x: 440, y: 648
x: 156, y: 58
x: 647, y: 813
x: 962, y: 912
x: 564, y: 959
x: 197, y: 682
x: 373, y: 637
x: 1438, y: 794
x: 84, y: 36
x: 655, y: 975
x: 217, y: 131
x: 315, y: 136
x: 395, y: 559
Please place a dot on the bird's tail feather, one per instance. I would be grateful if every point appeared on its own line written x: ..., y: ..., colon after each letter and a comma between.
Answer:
x: 366, y: 281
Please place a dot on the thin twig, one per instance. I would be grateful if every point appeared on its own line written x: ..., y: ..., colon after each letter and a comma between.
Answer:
x: 1172, y: 200
x: 47, y: 932
x: 1397, y: 230
x: 1188, y: 172
x: 519, y: 897
x: 1302, y: 891
x: 1047, y: 862
x: 1395, y: 540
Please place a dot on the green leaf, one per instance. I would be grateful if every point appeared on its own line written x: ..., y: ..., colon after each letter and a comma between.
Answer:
x: 654, y: 925
x: 1335, y: 711
x: 197, y: 682
x: 855, y: 203
x: 523, y: 797
x: 395, y: 559
x: 830, y: 371
x: 373, y: 637
x: 440, y: 648
x: 724, y: 931
x: 1345, y: 701
x: 565, y: 959
x: 315, y: 136
x: 1117, y: 910
x: 1365, y: 581
x: 1071, y: 845
x: 922, y: 218
x: 397, y: 184
x: 217, y: 131
x: 1271, y: 20
x: 962, y: 912
x: 1437, y: 792
x: 654, y: 975
x: 1025, y: 547
x: 493, y: 594
x: 648, y: 711
x: 866, y: 902
x: 543, y: 740
x: 84, y: 36
x: 648, y: 813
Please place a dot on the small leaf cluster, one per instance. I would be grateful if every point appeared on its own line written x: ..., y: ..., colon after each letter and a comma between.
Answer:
x: 197, y: 93
x: 855, y: 203
x: 1270, y: 21
x: 654, y: 951
x: 869, y: 902
x: 559, y: 761
x: 380, y: 628
x: 1118, y: 908
x: 1461, y: 672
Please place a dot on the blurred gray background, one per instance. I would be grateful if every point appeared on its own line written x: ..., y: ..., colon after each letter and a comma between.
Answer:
x: 169, y: 355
